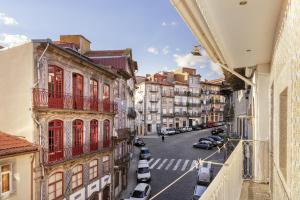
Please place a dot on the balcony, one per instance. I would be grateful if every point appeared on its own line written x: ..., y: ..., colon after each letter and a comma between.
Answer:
x: 59, y: 155
x: 191, y: 94
x: 180, y: 93
x: 167, y: 114
x: 42, y: 99
x: 181, y: 114
x: 180, y: 103
x: 123, y: 134
x: 153, y: 90
x: 195, y: 114
x: 123, y: 160
x: 167, y: 94
x: 193, y: 104
x: 154, y: 99
x: 131, y: 113
x: 153, y: 110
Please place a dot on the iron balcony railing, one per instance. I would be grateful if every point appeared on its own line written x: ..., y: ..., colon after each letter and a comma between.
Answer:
x: 180, y: 103
x: 153, y: 89
x: 57, y: 154
x: 181, y: 114
x: 153, y: 109
x: 167, y: 94
x: 122, y: 134
x: 153, y: 99
x: 124, y: 159
x: 45, y: 99
x: 194, y: 114
x: 193, y: 104
x: 168, y: 114
x: 181, y: 93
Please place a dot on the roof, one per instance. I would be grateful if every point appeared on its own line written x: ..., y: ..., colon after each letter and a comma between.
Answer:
x: 141, y: 186
x: 102, y: 53
x: 11, y: 145
x: 115, y: 62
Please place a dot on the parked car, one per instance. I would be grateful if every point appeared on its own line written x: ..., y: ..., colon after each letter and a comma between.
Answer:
x: 177, y: 130
x: 141, y: 192
x: 167, y: 131
x: 143, y: 172
x: 205, y: 174
x: 139, y: 142
x: 143, y: 162
x: 145, y: 153
x: 189, y: 128
x: 212, y: 141
x: 219, y: 140
x: 203, y: 126
x: 198, y: 191
x: 196, y: 128
x: 203, y: 145
x: 182, y: 130
x: 217, y: 131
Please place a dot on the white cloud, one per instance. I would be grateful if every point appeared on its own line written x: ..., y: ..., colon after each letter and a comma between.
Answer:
x: 177, y: 49
x: 172, y: 23
x: 6, y: 20
x: 152, y: 50
x: 8, y: 40
x: 165, y: 50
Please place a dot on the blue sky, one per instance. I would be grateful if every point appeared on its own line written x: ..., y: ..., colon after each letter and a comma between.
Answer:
x: 152, y: 28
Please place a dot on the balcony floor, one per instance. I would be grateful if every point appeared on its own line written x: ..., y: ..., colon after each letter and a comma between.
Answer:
x: 255, y: 191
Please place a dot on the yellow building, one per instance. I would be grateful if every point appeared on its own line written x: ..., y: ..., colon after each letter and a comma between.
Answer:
x: 17, y: 160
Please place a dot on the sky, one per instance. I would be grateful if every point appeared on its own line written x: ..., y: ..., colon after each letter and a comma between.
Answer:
x: 159, y: 38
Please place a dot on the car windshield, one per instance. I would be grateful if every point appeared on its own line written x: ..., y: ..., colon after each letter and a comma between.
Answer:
x: 143, y: 170
x: 138, y: 194
x: 145, y: 151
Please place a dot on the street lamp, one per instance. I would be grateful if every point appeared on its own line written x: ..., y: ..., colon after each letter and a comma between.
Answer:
x: 196, y: 50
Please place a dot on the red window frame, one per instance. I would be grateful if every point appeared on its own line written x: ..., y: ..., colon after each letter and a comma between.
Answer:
x: 77, y: 91
x: 93, y: 135
x: 106, y: 133
x: 55, y: 183
x: 77, y: 137
x: 55, y: 87
x: 55, y: 140
x: 106, y: 98
x: 94, y: 92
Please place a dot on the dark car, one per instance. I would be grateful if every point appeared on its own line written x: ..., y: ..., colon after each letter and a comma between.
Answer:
x: 220, y: 130
x: 213, y: 142
x: 145, y: 154
x: 217, y: 131
x: 203, y: 145
x: 139, y: 142
x: 219, y: 140
x: 202, y: 126
x: 177, y: 131
x: 196, y: 128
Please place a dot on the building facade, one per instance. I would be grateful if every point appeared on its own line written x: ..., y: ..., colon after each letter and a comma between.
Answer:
x: 177, y: 99
x: 64, y: 102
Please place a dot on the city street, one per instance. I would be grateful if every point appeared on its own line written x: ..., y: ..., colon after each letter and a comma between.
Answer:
x: 170, y: 159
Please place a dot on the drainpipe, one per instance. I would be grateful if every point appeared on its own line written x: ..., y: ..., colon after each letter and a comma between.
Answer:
x: 31, y: 182
x: 40, y: 151
x: 38, y: 65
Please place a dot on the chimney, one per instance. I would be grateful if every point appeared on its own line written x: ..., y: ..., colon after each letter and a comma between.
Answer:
x: 80, y: 41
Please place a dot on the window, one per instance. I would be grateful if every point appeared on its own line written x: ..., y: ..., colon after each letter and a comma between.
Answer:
x: 55, y: 140
x: 94, y: 95
x: 93, y: 171
x: 77, y: 137
x: 106, y: 164
x: 283, y: 108
x: 117, y: 175
x: 6, y: 179
x: 55, y: 87
x: 77, y: 176
x: 77, y: 91
x: 106, y: 98
x: 149, y: 127
x: 55, y: 186
x: 93, y: 135
x: 106, y: 133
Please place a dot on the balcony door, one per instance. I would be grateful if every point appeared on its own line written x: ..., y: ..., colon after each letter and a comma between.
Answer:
x: 55, y: 140
x: 106, y: 98
x: 106, y: 133
x: 93, y: 135
x: 77, y: 91
x: 77, y: 137
x: 94, y: 95
x: 55, y: 87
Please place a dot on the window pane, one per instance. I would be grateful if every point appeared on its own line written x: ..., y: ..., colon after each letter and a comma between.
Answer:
x: 5, y: 183
x: 58, y: 192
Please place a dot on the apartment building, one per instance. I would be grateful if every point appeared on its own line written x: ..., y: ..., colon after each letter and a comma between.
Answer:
x: 265, y: 44
x: 64, y: 102
x: 180, y: 99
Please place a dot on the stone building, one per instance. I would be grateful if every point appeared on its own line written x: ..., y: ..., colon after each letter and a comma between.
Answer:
x: 264, y: 42
x: 181, y: 99
x: 64, y: 102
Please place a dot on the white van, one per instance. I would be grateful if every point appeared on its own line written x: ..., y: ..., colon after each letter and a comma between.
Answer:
x: 143, y: 172
x: 205, y: 174
x: 167, y: 131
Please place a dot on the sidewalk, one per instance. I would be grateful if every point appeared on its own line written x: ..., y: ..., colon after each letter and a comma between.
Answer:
x: 131, y: 175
